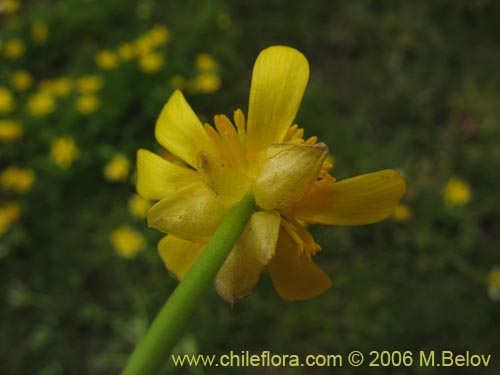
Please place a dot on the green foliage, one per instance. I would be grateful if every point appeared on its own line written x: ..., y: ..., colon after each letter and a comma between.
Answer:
x: 412, y: 86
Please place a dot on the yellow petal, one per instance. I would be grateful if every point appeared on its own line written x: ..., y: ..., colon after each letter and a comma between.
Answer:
x: 179, y: 130
x: 242, y: 269
x: 288, y: 173
x: 178, y: 254
x: 279, y: 79
x: 295, y: 277
x: 226, y: 180
x: 192, y: 213
x: 360, y: 200
x: 157, y: 177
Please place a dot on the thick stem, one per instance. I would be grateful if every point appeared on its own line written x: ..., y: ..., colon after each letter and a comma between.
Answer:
x: 154, y: 349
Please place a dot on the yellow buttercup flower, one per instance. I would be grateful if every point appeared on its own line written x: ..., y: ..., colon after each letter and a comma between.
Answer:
x: 64, y: 152
x: 206, y: 83
x: 402, y: 213
x: 159, y: 35
x: 456, y: 192
x: 138, y: 206
x: 9, y: 6
x: 493, y: 282
x: 21, y: 80
x: 89, y: 84
x: 117, y: 169
x: 10, y: 130
x: 17, y: 179
x: 178, y: 82
x: 205, y: 62
x: 39, y: 32
x: 107, y: 59
x: 9, y: 214
x: 7, y: 103
x: 61, y: 86
x: 13, y: 48
x: 87, y: 104
x: 268, y: 156
x: 41, y: 104
x: 150, y: 62
x: 126, y: 51
x: 126, y: 241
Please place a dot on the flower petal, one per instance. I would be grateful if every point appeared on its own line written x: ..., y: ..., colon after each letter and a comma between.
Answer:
x: 178, y: 254
x: 192, y: 213
x: 179, y: 130
x: 279, y: 79
x: 157, y: 177
x: 294, y: 276
x: 288, y: 173
x: 359, y: 200
x: 225, y: 180
x: 242, y: 269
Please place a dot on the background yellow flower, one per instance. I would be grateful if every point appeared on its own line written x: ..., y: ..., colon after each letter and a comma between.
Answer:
x: 126, y: 241
x: 89, y: 84
x: 402, y: 213
x: 13, y: 48
x: 39, y: 32
x: 117, y: 169
x: 7, y: 102
x: 456, y: 192
x: 21, y: 80
x: 17, y: 179
x: 40, y: 104
x: 138, y: 206
x: 107, y: 59
x: 64, y: 152
x: 87, y: 104
x: 10, y: 130
x: 150, y: 62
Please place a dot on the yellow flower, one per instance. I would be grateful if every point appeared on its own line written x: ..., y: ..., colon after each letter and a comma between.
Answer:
x: 493, y: 282
x: 13, y: 48
x: 107, y: 59
x: 177, y: 81
x: 10, y: 130
x: 9, y: 6
x: 206, y: 83
x: 205, y: 62
x: 39, y: 32
x: 21, y: 80
x: 87, y: 104
x: 7, y: 103
x: 61, y: 86
x: 159, y: 35
x: 117, y: 168
x: 126, y: 241
x: 126, y: 51
x: 143, y: 45
x: 89, y: 84
x: 402, y: 213
x: 269, y: 157
x: 456, y: 192
x: 150, y: 63
x: 41, y: 104
x: 17, y: 179
x: 138, y: 206
x: 9, y: 214
x: 64, y: 152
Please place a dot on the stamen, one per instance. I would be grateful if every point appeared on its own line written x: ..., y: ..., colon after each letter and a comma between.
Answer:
x: 232, y: 144
x: 239, y: 120
x: 301, y: 236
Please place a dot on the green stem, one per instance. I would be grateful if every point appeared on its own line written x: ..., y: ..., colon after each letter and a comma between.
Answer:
x: 153, y: 350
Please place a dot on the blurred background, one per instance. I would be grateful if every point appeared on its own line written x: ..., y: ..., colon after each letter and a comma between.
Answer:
x: 413, y: 86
